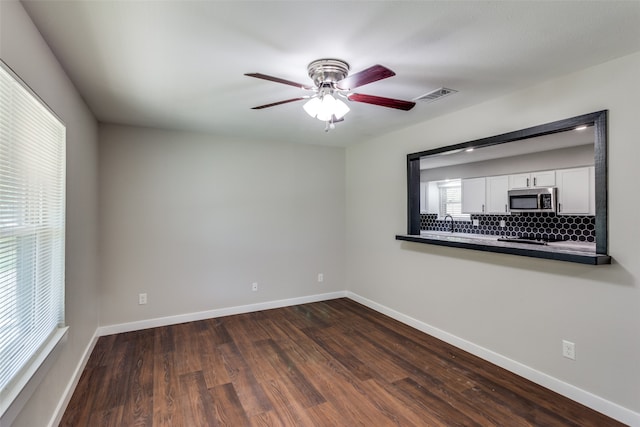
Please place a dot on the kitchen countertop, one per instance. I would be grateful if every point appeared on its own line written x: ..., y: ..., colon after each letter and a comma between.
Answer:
x: 580, y: 252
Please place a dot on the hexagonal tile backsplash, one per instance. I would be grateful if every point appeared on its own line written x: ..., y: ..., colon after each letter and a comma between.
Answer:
x: 541, y: 225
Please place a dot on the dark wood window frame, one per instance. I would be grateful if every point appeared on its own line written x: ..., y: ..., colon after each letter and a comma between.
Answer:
x: 597, y: 119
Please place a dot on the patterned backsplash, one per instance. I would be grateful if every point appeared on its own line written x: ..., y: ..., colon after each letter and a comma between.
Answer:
x: 541, y: 225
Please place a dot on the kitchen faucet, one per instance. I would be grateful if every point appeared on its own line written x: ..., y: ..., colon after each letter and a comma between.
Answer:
x: 445, y: 220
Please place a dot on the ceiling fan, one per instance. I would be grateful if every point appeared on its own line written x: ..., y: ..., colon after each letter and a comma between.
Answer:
x: 331, y: 83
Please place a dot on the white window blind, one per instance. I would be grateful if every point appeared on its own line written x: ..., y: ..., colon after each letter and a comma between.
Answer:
x: 32, y: 220
x: 451, y: 199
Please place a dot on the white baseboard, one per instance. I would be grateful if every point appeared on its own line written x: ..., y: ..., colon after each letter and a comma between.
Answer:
x: 71, y: 386
x: 584, y: 397
x: 209, y: 314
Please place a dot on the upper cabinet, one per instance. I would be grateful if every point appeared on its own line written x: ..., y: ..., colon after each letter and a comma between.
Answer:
x: 576, y: 191
x: 497, y: 200
x: 489, y: 195
x: 473, y: 195
x: 429, y: 198
x: 532, y: 180
x: 424, y: 197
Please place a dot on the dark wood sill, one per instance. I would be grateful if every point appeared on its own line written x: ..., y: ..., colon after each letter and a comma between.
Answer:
x: 513, y: 249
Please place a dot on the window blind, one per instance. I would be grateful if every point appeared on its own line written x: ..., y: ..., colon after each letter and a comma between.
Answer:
x: 450, y: 197
x: 32, y: 221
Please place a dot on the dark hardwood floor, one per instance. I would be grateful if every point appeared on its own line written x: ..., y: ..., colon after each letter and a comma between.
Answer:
x: 332, y: 363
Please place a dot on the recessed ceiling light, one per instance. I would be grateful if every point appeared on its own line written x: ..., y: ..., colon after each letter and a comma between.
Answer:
x: 468, y: 150
x: 583, y: 127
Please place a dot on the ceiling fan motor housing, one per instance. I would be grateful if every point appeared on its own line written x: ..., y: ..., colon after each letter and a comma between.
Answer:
x: 327, y: 71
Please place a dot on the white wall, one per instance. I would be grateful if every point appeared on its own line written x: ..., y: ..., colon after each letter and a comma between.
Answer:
x: 518, y: 307
x: 24, y: 50
x: 193, y: 220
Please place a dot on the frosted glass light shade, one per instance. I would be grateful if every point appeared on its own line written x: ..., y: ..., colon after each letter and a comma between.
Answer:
x: 325, y: 108
x: 340, y: 109
x: 312, y: 106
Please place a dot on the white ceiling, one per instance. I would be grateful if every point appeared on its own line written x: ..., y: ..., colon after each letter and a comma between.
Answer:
x: 181, y: 64
x: 554, y: 141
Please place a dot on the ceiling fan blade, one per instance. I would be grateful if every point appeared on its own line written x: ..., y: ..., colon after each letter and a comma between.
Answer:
x: 279, y: 80
x: 383, y: 102
x: 273, y: 104
x: 369, y: 75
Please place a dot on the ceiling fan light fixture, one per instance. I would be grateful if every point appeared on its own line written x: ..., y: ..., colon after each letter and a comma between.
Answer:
x: 332, y: 80
x: 325, y: 108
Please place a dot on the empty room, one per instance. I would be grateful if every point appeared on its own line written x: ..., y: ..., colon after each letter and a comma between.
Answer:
x: 319, y: 213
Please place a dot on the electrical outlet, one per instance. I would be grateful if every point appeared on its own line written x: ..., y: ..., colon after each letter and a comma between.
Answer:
x: 142, y: 299
x: 476, y: 222
x: 503, y: 223
x: 320, y: 277
x: 254, y: 286
x: 568, y: 349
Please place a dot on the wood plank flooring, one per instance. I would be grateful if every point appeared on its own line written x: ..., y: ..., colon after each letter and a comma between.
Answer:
x: 331, y: 363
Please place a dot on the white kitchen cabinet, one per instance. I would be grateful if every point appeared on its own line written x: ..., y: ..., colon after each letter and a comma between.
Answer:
x: 592, y: 190
x: 429, y: 198
x: 424, y: 197
x: 576, y: 191
x: 532, y: 180
x: 473, y: 195
x: 433, y: 198
x: 497, y: 200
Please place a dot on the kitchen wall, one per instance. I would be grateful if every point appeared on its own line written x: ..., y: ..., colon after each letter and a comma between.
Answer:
x: 193, y: 220
x: 541, y: 225
x: 24, y: 50
x: 545, y: 226
x: 518, y: 309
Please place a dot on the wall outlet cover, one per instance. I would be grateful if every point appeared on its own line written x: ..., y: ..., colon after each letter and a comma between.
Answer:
x: 568, y: 349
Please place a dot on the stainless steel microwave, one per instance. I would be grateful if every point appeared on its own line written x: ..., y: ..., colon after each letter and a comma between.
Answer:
x: 542, y: 199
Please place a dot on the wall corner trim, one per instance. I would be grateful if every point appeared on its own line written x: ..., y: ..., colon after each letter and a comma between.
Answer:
x: 572, y: 392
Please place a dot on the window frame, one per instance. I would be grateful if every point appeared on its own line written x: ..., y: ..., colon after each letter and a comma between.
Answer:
x: 25, y: 379
x: 598, y: 119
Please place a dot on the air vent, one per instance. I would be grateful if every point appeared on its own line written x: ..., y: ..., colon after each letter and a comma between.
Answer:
x: 436, y: 94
